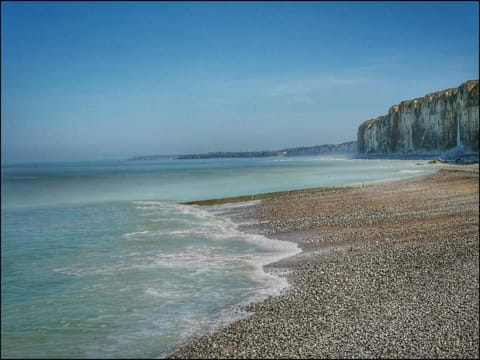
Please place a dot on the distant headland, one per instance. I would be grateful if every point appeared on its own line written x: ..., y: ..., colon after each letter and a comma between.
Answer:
x: 349, y: 147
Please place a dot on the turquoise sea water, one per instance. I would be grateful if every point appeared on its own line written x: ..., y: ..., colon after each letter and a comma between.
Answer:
x: 100, y: 260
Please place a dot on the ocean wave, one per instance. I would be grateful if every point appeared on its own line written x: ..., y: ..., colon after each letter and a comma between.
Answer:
x: 410, y: 171
x: 136, y: 234
x: 325, y: 158
x: 215, y: 226
x: 208, y: 223
x: 170, y: 295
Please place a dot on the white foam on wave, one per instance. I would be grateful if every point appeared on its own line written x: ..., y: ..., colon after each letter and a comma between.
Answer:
x: 149, y: 234
x: 171, y: 295
x: 135, y: 234
x: 277, y: 249
x: 206, y: 222
x: 215, y: 231
x: 197, y: 258
x: 185, y: 271
x: 410, y: 171
x: 150, y: 203
x: 214, y: 255
x: 231, y: 207
x: 154, y: 205
x: 328, y: 158
x: 271, y: 283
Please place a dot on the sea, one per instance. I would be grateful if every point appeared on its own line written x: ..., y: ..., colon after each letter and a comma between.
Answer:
x: 101, y: 260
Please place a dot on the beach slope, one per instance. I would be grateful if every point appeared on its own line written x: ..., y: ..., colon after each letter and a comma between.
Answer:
x: 387, y: 270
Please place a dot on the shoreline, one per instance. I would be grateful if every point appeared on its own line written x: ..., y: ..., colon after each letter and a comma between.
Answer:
x: 335, y: 241
x: 267, y: 195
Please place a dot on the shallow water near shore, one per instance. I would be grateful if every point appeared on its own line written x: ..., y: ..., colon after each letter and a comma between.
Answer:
x: 100, y: 260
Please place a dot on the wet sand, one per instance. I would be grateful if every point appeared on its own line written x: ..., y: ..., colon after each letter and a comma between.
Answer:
x: 387, y: 270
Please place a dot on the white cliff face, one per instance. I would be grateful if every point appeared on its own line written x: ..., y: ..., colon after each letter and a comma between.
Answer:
x: 427, y: 124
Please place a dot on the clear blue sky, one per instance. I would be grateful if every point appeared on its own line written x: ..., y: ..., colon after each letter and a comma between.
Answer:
x: 99, y: 80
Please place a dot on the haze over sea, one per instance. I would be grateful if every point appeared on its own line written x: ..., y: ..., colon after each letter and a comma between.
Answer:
x: 100, y: 260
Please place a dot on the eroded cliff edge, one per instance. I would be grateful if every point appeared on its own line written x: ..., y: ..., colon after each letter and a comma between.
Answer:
x: 426, y: 125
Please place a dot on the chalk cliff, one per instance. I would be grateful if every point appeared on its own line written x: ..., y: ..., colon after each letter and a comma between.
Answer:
x: 429, y: 124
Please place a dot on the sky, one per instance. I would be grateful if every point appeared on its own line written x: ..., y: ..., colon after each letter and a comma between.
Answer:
x: 112, y: 80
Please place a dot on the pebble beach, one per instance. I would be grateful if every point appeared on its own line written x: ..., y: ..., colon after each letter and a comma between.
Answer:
x: 388, y: 270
